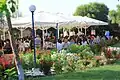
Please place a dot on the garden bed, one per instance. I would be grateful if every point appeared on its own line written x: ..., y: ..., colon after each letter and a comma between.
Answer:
x: 74, y: 58
x: 107, y: 72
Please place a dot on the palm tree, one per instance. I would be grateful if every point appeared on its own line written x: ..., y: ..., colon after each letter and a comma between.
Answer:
x: 8, y: 11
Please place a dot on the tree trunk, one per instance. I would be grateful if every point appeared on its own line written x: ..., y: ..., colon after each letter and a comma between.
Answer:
x: 15, y: 50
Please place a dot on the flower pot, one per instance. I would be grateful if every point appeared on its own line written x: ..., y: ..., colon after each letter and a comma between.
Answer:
x: 45, y: 67
x: 46, y: 70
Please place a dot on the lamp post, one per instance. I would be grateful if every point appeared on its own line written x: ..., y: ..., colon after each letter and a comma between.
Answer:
x: 56, y: 34
x: 32, y: 8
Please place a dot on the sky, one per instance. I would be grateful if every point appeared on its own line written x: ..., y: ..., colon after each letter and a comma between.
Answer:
x: 60, y: 6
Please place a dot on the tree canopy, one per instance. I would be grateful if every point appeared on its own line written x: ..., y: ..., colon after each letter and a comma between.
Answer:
x: 7, y: 6
x: 93, y: 10
x: 115, y: 15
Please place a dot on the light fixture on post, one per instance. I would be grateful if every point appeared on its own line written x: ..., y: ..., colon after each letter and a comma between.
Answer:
x: 32, y: 9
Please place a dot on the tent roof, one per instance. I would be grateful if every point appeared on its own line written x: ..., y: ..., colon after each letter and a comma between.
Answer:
x: 92, y: 21
x: 41, y: 19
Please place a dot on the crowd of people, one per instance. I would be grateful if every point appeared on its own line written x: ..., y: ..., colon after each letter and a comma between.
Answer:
x: 22, y: 44
x: 65, y: 42
x: 26, y: 44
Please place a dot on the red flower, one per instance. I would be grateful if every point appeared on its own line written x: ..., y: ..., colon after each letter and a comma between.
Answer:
x: 109, y: 55
x: 6, y: 62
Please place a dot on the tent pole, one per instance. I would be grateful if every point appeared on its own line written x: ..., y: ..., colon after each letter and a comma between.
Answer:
x: 81, y: 29
x: 78, y: 30
x: 69, y: 32
x: 56, y: 34
x: 85, y: 30
x: 46, y: 32
x: 63, y: 32
x: 4, y: 33
x: 43, y: 37
x: 21, y: 31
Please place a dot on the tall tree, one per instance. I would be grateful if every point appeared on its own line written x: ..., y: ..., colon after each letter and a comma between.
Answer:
x: 8, y: 7
x: 94, y: 10
x: 115, y: 15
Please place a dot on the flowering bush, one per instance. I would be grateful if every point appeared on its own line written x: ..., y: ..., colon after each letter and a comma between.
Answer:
x: 111, y: 53
x: 58, y: 62
x: 97, y: 48
x: 7, y: 69
x: 71, y: 62
x: 45, y: 62
x: 6, y: 61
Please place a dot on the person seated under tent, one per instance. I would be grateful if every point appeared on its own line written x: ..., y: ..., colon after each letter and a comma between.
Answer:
x: 7, y: 47
x: 38, y: 42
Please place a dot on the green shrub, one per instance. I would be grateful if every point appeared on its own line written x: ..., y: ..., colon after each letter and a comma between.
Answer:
x: 8, y: 74
x: 1, y: 53
x: 57, y: 66
x: 74, y: 48
x: 27, y: 61
x: 78, y: 49
x: 96, y: 49
x: 53, y: 51
x: 58, y: 62
x: 114, y: 53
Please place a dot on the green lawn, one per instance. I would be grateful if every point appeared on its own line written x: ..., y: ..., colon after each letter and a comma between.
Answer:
x: 108, y: 72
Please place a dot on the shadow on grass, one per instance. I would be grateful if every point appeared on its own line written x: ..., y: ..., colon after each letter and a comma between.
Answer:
x: 87, y: 75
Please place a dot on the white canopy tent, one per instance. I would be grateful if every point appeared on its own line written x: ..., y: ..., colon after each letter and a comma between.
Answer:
x: 47, y: 19
x: 85, y: 22
x: 43, y: 20
x: 92, y: 21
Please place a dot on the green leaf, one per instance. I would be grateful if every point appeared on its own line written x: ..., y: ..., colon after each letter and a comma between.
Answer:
x: 9, y: 70
x: 12, y: 9
x: 3, y: 1
x: 12, y: 74
x: 11, y: 1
